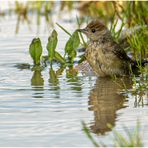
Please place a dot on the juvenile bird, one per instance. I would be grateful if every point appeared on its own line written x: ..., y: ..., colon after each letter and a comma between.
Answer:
x: 105, y: 56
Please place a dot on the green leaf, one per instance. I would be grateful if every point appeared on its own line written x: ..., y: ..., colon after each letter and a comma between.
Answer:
x: 73, y: 54
x: 59, y: 58
x: 63, y: 29
x: 76, y: 40
x: 51, y: 45
x: 87, y: 132
x: 72, y: 43
x: 69, y: 46
x: 35, y: 50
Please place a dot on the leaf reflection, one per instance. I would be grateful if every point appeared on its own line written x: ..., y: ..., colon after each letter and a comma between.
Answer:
x: 53, y: 80
x: 73, y: 79
x: 37, y: 83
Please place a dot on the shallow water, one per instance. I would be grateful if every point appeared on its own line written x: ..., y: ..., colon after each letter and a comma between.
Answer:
x: 36, y: 111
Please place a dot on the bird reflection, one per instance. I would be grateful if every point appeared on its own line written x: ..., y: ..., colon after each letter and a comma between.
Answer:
x: 37, y: 83
x: 104, y: 101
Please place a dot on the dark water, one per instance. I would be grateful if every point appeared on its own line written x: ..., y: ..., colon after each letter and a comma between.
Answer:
x: 37, y: 111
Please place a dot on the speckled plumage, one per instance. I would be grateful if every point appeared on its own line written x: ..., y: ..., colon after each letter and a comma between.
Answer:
x: 104, y: 55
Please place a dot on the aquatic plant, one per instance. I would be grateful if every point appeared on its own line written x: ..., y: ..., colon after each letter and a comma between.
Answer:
x: 72, y: 44
x: 131, y: 138
x: 114, y: 24
x: 35, y: 50
x: 51, y: 46
x: 138, y: 43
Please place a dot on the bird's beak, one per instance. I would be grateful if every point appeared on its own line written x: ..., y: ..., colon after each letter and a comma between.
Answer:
x: 82, y: 30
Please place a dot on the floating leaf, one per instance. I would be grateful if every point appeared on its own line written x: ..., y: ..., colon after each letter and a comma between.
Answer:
x: 51, y: 45
x: 59, y: 58
x: 35, y: 50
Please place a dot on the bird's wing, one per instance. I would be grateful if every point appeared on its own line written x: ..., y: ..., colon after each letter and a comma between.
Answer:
x: 120, y: 53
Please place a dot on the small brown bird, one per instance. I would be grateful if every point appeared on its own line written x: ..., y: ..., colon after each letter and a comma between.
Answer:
x: 105, y: 56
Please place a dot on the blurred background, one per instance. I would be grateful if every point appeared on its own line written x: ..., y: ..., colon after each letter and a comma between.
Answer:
x: 131, y: 12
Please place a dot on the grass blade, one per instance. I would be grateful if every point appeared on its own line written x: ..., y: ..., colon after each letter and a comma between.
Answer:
x: 63, y: 29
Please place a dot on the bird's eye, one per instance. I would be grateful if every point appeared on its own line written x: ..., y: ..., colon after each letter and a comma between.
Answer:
x: 93, y: 30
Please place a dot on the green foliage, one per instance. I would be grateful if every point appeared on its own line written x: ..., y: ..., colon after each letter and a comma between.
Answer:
x: 136, y: 12
x: 81, y: 36
x: 139, y: 89
x: 138, y: 42
x: 132, y: 138
x: 68, y: 46
x: 71, y: 46
x: 63, y: 29
x: 51, y: 45
x: 35, y: 50
x: 59, y: 58
x: 113, y: 27
x: 75, y: 39
x: 87, y: 132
